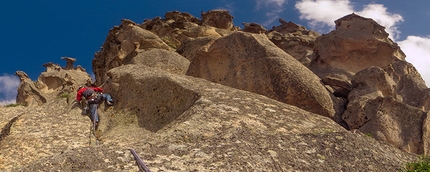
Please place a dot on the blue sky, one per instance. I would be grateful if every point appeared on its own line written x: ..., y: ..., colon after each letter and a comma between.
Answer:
x: 36, y: 32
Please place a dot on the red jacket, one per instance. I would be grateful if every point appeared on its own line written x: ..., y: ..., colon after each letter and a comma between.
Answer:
x: 87, y: 91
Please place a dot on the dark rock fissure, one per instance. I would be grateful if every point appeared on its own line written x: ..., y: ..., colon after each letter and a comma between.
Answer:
x: 6, y: 129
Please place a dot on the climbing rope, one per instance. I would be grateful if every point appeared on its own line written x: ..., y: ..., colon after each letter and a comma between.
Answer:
x: 139, y: 161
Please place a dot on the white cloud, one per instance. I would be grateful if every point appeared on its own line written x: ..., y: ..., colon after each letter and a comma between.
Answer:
x: 270, y: 4
x: 379, y: 13
x: 418, y: 53
x: 322, y: 14
x: 8, y: 88
x: 275, y: 7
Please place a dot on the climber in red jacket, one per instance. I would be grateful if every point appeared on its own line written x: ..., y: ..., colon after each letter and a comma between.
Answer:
x: 93, y: 96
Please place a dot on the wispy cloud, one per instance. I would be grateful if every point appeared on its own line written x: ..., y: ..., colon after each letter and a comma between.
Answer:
x: 418, y: 53
x: 8, y: 88
x: 378, y: 12
x: 229, y: 6
x: 321, y: 15
x: 274, y: 8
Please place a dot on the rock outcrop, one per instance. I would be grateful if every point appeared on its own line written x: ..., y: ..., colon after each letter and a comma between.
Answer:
x: 168, y: 33
x: 56, y: 80
x: 251, y: 62
x: 28, y: 94
x: 356, y: 44
x: 295, y: 40
x: 360, y: 62
x: 380, y: 105
x: 218, y: 18
x: 253, y: 28
x: 120, y: 42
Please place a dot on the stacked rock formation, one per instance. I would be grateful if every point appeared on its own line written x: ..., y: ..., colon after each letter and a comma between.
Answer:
x: 55, y: 81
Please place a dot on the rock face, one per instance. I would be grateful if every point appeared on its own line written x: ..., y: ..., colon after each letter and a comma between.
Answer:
x: 187, y: 124
x: 251, y: 62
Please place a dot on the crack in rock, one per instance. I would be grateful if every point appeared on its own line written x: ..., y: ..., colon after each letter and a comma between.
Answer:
x: 6, y: 129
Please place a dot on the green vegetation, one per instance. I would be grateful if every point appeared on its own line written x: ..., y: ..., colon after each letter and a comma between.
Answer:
x: 423, y: 164
x: 369, y: 135
x: 13, y: 105
x: 64, y: 95
x: 169, y: 41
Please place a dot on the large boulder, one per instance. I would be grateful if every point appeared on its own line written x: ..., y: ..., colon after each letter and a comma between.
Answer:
x: 388, y: 102
x: 251, y: 62
x: 405, y: 127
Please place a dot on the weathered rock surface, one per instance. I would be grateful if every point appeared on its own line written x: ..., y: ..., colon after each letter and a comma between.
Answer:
x: 218, y: 18
x: 178, y: 27
x: 379, y: 104
x: 159, y: 58
x: 41, y: 131
x: 192, y: 47
x: 385, y: 119
x: 28, y: 94
x: 295, y: 40
x: 356, y: 44
x: 56, y: 80
x: 253, y: 28
x: 251, y: 62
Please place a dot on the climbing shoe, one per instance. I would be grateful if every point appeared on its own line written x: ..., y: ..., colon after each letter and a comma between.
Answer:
x: 110, y: 103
